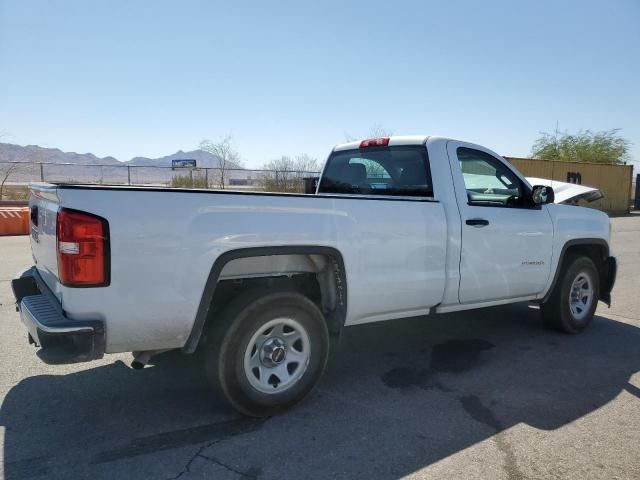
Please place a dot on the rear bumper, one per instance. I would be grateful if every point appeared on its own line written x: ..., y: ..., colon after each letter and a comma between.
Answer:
x: 61, y: 340
x: 608, y: 279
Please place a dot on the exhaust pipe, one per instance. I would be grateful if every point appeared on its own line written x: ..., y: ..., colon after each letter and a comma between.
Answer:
x: 141, y: 359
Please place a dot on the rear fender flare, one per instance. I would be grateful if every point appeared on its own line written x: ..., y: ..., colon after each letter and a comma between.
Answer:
x: 335, y: 321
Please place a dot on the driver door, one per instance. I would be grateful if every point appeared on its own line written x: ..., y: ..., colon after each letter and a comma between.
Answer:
x: 506, y: 242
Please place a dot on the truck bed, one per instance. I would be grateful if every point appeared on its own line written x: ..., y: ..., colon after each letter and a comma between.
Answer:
x: 163, y: 243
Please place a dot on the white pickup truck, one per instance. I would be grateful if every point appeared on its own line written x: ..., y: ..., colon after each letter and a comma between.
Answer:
x: 260, y: 283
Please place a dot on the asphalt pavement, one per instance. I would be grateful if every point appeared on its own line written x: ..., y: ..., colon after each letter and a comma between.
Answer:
x: 479, y: 394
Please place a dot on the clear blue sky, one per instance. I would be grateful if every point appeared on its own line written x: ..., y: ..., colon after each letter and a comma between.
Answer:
x: 127, y: 78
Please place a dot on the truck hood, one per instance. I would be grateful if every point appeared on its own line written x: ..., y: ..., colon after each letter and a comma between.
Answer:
x: 568, y: 193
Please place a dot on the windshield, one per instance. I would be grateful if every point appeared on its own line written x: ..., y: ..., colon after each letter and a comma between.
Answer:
x: 395, y: 171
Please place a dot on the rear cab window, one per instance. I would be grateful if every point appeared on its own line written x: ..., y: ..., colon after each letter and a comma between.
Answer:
x: 399, y: 171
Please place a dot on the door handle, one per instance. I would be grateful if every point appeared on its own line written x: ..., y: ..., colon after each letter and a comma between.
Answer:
x: 477, y: 222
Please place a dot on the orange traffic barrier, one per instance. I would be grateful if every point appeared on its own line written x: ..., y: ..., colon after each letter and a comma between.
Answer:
x: 14, y: 221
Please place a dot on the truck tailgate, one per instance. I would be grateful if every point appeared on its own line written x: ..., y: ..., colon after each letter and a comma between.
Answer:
x: 44, y: 205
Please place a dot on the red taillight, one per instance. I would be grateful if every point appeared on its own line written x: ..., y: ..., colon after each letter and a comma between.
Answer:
x: 83, y: 247
x: 375, y: 142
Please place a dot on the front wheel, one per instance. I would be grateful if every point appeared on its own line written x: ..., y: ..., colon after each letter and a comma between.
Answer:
x: 574, y: 299
x: 266, y: 352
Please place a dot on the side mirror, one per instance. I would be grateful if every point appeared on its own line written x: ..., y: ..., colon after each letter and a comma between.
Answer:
x: 542, y: 195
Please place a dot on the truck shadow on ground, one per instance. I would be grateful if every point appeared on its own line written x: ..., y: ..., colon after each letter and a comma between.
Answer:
x: 397, y: 397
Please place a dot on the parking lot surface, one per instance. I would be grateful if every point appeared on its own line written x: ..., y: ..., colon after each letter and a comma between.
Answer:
x: 480, y: 394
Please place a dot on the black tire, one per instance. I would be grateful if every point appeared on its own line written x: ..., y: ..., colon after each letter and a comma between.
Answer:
x: 228, y: 338
x: 556, y: 311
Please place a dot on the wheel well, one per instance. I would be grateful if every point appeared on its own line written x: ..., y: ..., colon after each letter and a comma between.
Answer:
x: 595, y: 252
x: 229, y: 289
x: 317, y: 273
x: 309, y: 275
x: 595, y: 249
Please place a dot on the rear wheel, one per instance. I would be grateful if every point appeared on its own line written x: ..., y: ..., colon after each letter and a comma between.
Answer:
x: 573, y: 302
x: 266, y: 352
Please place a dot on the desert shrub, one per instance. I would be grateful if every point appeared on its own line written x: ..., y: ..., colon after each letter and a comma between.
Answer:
x: 584, y: 146
x: 186, y: 181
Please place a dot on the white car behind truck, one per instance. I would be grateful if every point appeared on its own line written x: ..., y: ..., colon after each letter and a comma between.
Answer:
x: 261, y: 282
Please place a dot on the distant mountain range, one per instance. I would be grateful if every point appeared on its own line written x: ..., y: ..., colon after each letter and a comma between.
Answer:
x: 33, y: 153
x: 85, y: 167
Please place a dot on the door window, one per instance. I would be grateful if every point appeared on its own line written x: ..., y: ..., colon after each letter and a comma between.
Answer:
x: 488, y: 181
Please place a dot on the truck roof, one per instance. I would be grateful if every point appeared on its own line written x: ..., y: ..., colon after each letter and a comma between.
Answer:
x: 393, y: 140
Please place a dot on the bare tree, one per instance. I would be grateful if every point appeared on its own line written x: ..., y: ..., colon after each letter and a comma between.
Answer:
x: 378, y: 130
x: 349, y: 138
x: 227, y: 156
x: 304, y: 164
x: 6, y: 169
x: 286, y: 174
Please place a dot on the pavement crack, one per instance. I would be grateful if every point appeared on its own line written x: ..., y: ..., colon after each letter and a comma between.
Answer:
x: 187, y: 466
x: 179, y: 438
x: 510, y: 467
x: 251, y: 473
x: 198, y: 454
x: 483, y: 414
x: 248, y: 425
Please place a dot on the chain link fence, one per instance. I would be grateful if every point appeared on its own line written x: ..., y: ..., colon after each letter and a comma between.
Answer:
x: 16, y: 176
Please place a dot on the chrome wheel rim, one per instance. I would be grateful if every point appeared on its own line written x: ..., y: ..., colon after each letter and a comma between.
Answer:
x: 581, y: 296
x: 277, y: 355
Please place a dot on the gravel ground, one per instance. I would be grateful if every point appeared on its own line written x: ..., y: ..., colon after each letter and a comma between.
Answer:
x: 482, y: 394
